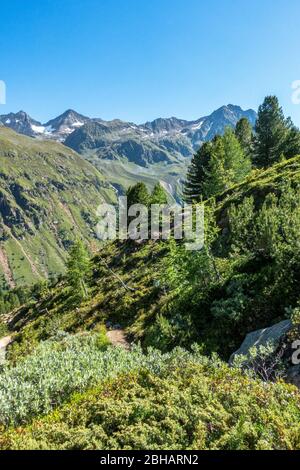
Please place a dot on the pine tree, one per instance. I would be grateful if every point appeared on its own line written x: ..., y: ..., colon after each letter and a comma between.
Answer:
x: 271, y: 133
x: 138, y: 194
x: 78, y: 269
x: 197, y: 173
x: 216, y: 166
x: 158, y: 195
x: 292, y: 142
x: 244, y: 134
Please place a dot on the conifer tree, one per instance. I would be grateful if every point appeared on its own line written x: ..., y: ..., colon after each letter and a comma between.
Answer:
x: 244, y: 134
x: 138, y: 194
x: 158, y: 195
x: 197, y: 173
x: 217, y: 165
x: 237, y: 164
x: 292, y: 143
x: 271, y: 132
x: 216, y: 176
x: 78, y: 268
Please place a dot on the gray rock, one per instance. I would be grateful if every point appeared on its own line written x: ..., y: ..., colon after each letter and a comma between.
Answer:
x: 262, y: 337
x: 4, y: 342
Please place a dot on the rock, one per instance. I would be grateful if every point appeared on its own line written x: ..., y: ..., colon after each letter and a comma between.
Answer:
x: 262, y: 337
x: 4, y: 342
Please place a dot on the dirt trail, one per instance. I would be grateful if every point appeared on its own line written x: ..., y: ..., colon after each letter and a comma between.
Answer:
x: 118, y: 338
x: 6, y: 269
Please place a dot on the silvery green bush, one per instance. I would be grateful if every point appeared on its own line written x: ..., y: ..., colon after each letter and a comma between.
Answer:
x: 59, y: 368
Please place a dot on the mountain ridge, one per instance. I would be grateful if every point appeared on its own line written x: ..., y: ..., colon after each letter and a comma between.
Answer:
x: 125, y: 152
x: 60, y: 127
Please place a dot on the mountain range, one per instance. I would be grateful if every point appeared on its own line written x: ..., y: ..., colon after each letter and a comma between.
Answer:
x: 144, y: 144
x: 126, y: 152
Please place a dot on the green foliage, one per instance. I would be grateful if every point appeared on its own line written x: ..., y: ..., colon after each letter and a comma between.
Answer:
x: 108, y: 300
x: 217, y: 166
x: 79, y: 269
x: 295, y: 316
x: 3, y: 330
x: 264, y: 362
x: 138, y: 194
x: 46, y: 192
x: 274, y: 135
x: 292, y: 143
x: 244, y: 134
x: 158, y: 195
x: 217, y: 179
x: 194, y: 184
x: 58, y: 368
x: 273, y: 230
x: 191, y: 403
x: 40, y: 290
x: 12, y: 299
x: 237, y: 164
x: 246, y: 276
x: 244, y: 279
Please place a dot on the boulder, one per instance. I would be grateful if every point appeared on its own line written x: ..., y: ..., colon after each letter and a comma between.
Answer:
x: 273, y: 334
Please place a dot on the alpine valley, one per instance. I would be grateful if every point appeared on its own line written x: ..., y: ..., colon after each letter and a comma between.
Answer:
x: 126, y: 152
x: 142, y: 344
x: 54, y: 175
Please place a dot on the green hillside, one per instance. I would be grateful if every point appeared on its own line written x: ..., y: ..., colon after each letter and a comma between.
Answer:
x: 132, y: 348
x: 47, y: 192
x: 122, y: 174
x: 175, y: 298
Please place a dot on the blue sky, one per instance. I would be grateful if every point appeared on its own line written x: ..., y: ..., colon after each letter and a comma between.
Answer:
x: 137, y: 59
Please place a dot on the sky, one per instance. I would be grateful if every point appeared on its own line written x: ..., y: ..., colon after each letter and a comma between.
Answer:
x: 138, y: 60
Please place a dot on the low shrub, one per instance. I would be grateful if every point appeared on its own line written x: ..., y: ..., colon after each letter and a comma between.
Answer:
x: 195, y: 405
x: 64, y: 365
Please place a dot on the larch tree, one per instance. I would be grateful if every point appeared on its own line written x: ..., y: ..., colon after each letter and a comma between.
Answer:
x: 78, y: 269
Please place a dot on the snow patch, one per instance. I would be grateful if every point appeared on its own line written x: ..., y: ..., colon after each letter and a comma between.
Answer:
x: 38, y: 129
x: 197, y: 126
x: 49, y: 130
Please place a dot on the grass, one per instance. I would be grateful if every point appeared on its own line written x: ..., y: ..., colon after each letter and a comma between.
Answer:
x: 46, y: 190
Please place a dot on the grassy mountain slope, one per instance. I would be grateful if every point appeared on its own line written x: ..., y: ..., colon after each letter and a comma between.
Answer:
x: 135, y: 309
x: 46, y: 191
x: 262, y: 182
x: 122, y: 174
x: 92, y: 395
x: 246, y: 294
